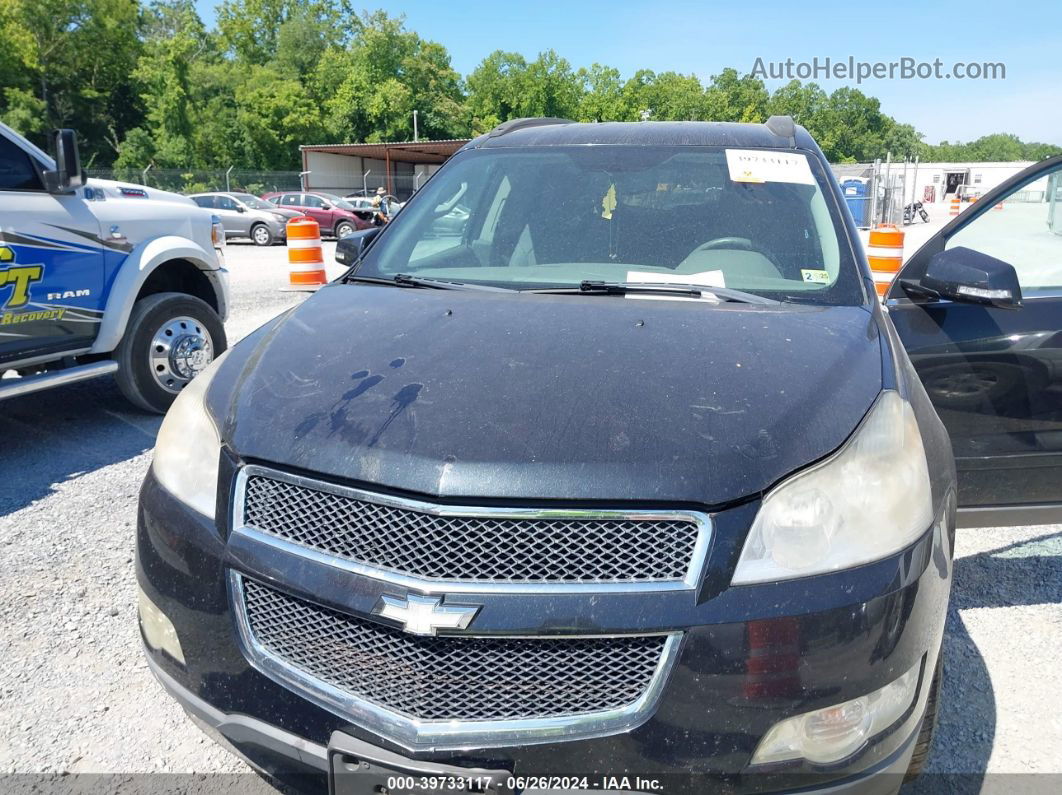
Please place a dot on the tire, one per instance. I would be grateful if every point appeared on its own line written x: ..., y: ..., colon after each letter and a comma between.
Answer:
x: 169, y: 338
x: 969, y: 385
x: 261, y: 236
x: 924, y: 742
x: 344, y: 228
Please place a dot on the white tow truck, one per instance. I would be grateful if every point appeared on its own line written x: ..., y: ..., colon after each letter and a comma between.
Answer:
x: 101, y: 277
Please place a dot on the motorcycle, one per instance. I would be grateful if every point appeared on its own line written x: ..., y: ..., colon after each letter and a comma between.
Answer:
x: 910, y: 210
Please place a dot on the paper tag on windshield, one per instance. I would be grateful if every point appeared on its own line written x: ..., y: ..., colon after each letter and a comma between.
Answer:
x: 814, y: 276
x: 708, y: 279
x: 768, y: 165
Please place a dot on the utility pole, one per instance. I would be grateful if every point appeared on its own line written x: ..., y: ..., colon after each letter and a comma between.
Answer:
x: 414, y: 127
x: 365, y: 182
x: 903, y: 188
x: 302, y: 179
x: 914, y: 182
x: 227, y: 188
x: 143, y: 175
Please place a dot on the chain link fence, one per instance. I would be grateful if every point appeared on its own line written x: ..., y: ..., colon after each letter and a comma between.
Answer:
x: 200, y: 180
x: 258, y: 182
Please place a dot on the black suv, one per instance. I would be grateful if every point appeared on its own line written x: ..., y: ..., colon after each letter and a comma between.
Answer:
x: 624, y: 481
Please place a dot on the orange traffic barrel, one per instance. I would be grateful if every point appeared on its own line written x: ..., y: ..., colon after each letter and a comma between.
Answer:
x: 885, y: 255
x: 955, y: 207
x: 306, y: 267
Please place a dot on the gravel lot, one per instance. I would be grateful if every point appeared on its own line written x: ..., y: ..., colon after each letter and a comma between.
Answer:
x: 76, y: 696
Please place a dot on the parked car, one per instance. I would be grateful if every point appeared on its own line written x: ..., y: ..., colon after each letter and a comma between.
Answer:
x: 336, y: 216
x: 100, y: 277
x: 633, y: 476
x: 244, y: 215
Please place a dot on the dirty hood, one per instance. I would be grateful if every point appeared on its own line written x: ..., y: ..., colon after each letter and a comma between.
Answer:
x: 462, y: 394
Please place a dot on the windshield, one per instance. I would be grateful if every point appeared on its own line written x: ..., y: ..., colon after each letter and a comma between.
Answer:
x: 337, y: 201
x: 253, y: 201
x: 541, y: 217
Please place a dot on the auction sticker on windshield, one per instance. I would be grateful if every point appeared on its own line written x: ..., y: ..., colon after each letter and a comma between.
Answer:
x: 759, y: 165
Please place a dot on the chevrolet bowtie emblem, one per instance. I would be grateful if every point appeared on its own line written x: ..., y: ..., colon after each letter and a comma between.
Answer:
x: 424, y: 615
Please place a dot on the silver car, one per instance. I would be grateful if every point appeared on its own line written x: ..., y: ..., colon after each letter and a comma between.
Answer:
x: 244, y: 215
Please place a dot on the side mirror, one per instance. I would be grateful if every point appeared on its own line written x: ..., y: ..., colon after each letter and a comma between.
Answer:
x: 68, y: 174
x: 326, y: 206
x: 351, y: 248
x: 962, y: 274
x: 240, y: 208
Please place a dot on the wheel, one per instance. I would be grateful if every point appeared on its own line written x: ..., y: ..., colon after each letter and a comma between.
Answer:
x: 924, y: 742
x: 969, y: 385
x: 261, y: 235
x: 344, y: 228
x: 169, y: 339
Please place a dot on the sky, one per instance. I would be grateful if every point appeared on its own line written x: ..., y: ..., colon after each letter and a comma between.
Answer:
x: 702, y: 38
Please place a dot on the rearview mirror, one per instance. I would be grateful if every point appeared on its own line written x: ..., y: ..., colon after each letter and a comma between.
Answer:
x: 351, y: 248
x: 962, y: 274
x: 67, y: 174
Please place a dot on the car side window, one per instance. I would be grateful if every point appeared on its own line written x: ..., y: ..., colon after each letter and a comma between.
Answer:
x: 16, y: 168
x: 312, y: 201
x: 204, y: 201
x: 290, y: 199
x: 1024, y: 229
x: 225, y: 203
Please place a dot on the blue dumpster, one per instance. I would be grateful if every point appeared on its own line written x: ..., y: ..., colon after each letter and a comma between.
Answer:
x: 855, y: 196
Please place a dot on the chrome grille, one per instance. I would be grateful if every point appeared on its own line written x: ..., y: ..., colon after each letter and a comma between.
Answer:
x: 446, y: 678
x: 483, y: 545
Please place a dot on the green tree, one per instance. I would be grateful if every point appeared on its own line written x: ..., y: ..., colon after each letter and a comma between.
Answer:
x: 69, y: 63
x: 732, y: 97
x: 602, y: 94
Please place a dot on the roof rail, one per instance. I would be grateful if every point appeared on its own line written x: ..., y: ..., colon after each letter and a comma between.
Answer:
x: 783, y: 127
x: 520, y: 124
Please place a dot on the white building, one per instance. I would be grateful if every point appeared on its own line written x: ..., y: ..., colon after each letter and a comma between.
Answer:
x: 938, y: 182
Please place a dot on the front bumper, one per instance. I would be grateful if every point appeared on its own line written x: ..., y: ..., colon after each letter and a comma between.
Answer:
x: 751, y: 656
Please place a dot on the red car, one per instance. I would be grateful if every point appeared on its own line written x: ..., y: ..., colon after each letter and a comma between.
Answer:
x: 336, y: 215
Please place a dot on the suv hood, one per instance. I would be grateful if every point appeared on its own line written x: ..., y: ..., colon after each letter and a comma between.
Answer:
x: 461, y: 394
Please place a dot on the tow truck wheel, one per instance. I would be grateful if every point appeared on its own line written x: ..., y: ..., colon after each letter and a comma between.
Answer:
x: 261, y: 235
x: 170, y: 338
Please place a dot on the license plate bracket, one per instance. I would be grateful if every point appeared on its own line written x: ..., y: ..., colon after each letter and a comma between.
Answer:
x: 360, y: 768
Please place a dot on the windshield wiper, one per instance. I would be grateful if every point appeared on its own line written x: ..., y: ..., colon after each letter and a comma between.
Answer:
x: 405, y: 280
x: 692, y: 290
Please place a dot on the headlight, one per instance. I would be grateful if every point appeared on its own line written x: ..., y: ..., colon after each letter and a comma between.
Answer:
x: 835, y: 733
x: 217, y: 232
x: 865, y: 502
x: 188, y: 446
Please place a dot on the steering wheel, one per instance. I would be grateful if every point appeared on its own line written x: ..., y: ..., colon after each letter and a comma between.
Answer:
x: 732, y: 243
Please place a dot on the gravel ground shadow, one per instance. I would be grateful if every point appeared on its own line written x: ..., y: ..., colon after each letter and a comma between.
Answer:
x: 1023, y: 573
x: 54, y: 436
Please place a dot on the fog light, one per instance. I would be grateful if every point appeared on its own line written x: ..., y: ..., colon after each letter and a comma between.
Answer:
x: 833, y: 733
x: 159, y: 632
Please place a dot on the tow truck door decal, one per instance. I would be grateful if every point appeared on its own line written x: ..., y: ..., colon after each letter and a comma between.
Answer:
x: 51, y: 276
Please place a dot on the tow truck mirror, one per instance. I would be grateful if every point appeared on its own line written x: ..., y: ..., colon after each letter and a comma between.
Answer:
x: 962, y: 274
x: 68, y: 174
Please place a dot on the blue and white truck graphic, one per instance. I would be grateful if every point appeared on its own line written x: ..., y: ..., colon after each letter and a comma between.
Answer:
x: 97, y: 277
